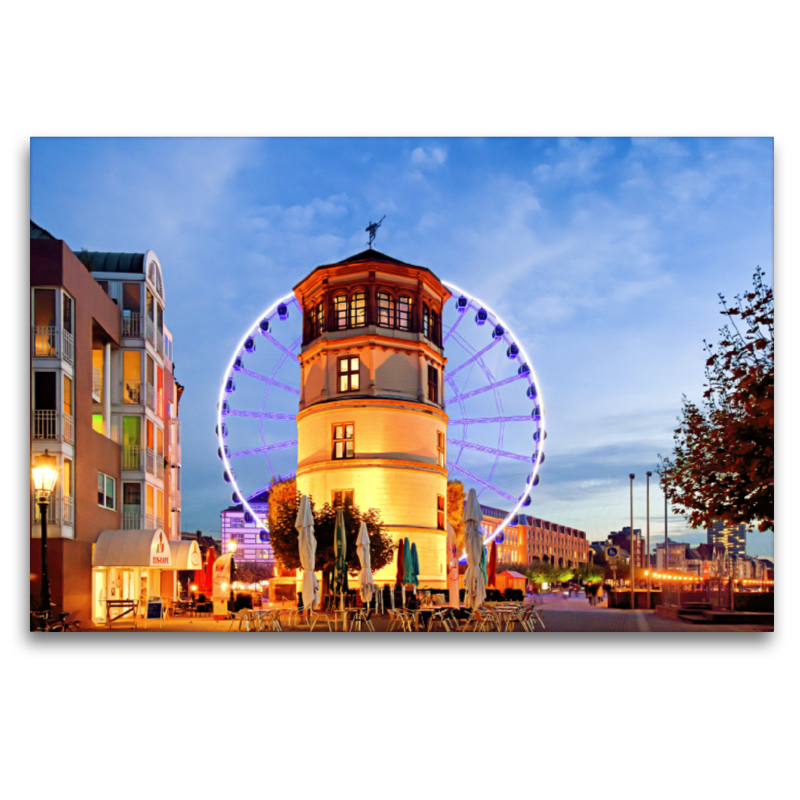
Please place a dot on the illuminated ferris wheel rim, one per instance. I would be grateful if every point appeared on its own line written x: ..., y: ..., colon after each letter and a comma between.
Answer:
x: 290, y: 298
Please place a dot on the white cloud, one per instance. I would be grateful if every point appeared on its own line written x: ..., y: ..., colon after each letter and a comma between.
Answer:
x: 428, y: 157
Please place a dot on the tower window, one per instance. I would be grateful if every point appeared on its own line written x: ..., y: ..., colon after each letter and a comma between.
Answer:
x: 426, y: 321
x: 404, y: 313
x: 320, y: 326
x: 343, y: 441
x: 440, y: 440
x: 349, y: 377
x: 385, y: 310
x: 433, y: 384
x: 440, y: 511
x: 358, y: 310
x: 342, y: 497
x: 340, y: 311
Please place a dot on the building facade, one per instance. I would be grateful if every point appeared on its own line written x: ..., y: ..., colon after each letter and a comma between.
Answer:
x: 371, y: 419
x: 623, y: 539
x: 732, y: 537
x: 252, y: 540
x: 103, y: 401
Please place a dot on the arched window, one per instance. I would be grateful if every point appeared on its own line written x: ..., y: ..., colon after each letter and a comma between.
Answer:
x: 404, y: 313
x: 426, y: 321
x: 385, y: 310
x: 434, y: 328
x: 320, y: 318
x: 358, y: 310
x: 312, y: 321
x: 340, y: 311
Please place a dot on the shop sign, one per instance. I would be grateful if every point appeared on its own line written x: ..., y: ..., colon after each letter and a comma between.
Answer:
x: 159, y: 551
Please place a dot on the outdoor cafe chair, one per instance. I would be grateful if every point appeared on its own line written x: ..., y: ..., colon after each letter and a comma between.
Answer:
x: 362, y: 616
x: 401, y: 619
x: 243, y: 618
x: 440, y: 616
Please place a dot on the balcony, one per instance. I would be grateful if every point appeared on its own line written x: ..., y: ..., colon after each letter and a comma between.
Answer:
x: 69, y: 429
x: 52, y: 512
x: 69, y: 348
x: 160, y: 466
x: 151, y: 461
x: 132, y: 324
x: 97, y: 385
x: 45, y: 338
x: 151, y: 330
x: 151, y: 397
x: 131, y: 456
x: 132, y: 392
x: 68, y: 511
x: 160, y: 342
x: 131, y: 517
x: 149, y: 521
x: 45, y: 425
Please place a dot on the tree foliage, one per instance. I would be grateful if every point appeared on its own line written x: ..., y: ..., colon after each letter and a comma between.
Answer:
x: 455, y: 511
x: 543, y: 572
x: 722, y: 465
x: 284, y: 500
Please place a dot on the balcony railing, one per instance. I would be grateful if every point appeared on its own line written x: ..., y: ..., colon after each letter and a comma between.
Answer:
x: 131, y: 517
x: 131, y: 456
x: 97, y: 385
x: 160, y: 342
x: 69, y: 429
x: 149, y: 521
x: 160, y: 466
x: 45, y: 338
x: 132, y: 324
x: 151, y: 461
x: 132, y: 392
x: 69, y: 348
x: 68, y: 506
x: 151, y: 330
x: 45, y: 425
x: 159, y: 522
x: 52, y: 512
x: 151, y: 396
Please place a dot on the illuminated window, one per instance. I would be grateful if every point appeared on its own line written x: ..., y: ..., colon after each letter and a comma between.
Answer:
x: 343, y: 441
x: 433, y: 384
x: 340, y: 311
x: 343, y: 497
x: 106, y: 491
x: 440, y: 440
x: 440, y: 511
x: 434, y: 327
x: 404, y: 313
x: 426, y: 321
x: 358, y: 310
x: 349, y: 377
x: 320, y: 327
x: 385, y: 310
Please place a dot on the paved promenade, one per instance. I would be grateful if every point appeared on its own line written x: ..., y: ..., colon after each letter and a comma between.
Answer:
x: 560, y: 615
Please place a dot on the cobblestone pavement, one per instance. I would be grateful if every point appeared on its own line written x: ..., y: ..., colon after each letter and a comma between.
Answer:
x: 560, y: 615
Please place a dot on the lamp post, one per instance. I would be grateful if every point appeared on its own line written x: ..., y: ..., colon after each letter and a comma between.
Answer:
x: 633, y: 552
x: 666, y: 538
x: 45, y: 475
x: 647, y: 569
x: 232, y: 547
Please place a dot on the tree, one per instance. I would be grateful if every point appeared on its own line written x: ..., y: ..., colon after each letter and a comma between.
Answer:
x: 589, y: 573
x: 722, y: 465
x: 543, y: 572
x: 455, y: 511
x: 284, y: 500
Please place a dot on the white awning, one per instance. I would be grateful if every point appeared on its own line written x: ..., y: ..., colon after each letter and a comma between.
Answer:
x: 136, y: 548
x: 186, y: 555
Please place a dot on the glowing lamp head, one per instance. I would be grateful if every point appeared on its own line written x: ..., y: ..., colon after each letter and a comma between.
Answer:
x: 45, y: 475
x: 232, y: 546
x: 193, y: 587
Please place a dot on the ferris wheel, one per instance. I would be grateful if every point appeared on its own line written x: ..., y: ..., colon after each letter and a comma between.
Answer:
x: 496, y: 428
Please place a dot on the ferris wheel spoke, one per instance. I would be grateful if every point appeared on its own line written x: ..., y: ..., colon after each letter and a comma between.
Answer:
x: 262, y: 415
x: 289, y: 352
x: 475, y: 357
x: 493, y: 450
x: 481, y: 481
x: 268, y: 380
x: 267, y: 448
x: 457, y: 322
x: 486, y: 420
x: 488, y: 388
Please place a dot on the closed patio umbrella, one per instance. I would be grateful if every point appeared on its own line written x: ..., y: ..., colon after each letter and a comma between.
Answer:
x: 340, y: 557
x: 414, y: 564
x: 474, y: 581
x: 365, y: 576
x: 491, y: 579
x: 400, y: 551
x: 408, y: 563
x: 452, y: 566
x: 307, y: 545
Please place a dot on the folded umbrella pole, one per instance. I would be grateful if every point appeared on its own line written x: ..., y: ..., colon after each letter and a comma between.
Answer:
x: 307, y: 545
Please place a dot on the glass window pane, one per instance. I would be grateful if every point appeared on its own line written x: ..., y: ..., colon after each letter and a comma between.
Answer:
x: 101, y: 488
x: 337, y: 432
x: 67, y: 318
x: 354, y: 382
x: 109, y: 492
x: 348, y: 449
x: 354, y: 365
x: 337, y: 453
x: 348, y: 432
x: 343, y: 383
x: 44, y: 307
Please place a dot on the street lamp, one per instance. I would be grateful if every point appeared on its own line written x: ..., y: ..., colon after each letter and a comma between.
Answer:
x: 45, y: 475
x: 647, y: 564
x: 633, y: 552
x: 232, y: 547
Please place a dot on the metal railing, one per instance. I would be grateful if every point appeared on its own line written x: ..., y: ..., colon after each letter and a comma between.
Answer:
x: 160, y: 466
x: 151, y: 461
x: 69, y: 348
x: 149, y: 521
x: 97, y: 384
x: 45, y: 338
x: 131, y: 456
x: 151, y: 330
x: 52, y: 511
x: 159, y: 522
x: 131, y: 517
x: 151, y: 396
x: 68, y: 506
x: 69, y: 429
x: 45, y: 425
x: 132, y: 324
x: 160, y: 343
x: 132, y: 392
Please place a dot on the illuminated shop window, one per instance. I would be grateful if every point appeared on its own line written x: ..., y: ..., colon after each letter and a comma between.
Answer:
x: 343, y: 441
x: 349, y: 374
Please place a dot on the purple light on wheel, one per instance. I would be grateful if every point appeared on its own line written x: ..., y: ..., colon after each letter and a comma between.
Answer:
x: 498, y: 332
x: 481, y: 316
x: 513, y: 351
x: 230, y: 386
x: 250, y: 345
x: 283, y: 312
x: 263, y: 326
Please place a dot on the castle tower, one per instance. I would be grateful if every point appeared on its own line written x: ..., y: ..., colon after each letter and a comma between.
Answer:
x: 371, y: 420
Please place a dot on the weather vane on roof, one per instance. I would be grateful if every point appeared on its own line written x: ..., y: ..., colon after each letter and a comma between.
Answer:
x: 372, y: 229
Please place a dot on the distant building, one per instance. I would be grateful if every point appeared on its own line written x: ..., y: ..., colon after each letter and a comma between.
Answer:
x: 676, y: 556
x: 252, y: 539
x: 732, y: 537
x: 623, y: 539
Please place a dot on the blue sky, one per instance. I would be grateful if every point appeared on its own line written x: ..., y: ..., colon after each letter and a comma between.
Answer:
x: 604, y: 256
